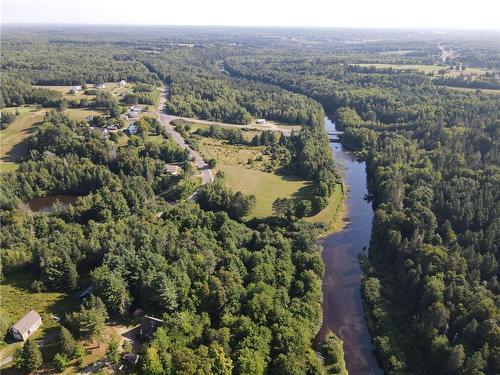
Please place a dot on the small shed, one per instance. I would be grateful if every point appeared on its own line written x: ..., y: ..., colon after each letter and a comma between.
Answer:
x: 26, y: 326
x: 133, y: 114
x: 137, y: 109
x: 122, y: 82
x: 149, y: 326
x: 100, y: 86
x: 261, y: 121
x: 171, y: 169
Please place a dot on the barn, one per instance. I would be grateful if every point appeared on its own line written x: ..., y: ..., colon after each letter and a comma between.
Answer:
x: 26, y: 326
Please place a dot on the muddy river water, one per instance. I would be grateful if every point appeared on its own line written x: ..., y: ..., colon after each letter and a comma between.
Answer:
x: 342, y: 305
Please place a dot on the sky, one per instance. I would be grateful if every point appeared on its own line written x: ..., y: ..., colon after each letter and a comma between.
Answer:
x: 476, y: 14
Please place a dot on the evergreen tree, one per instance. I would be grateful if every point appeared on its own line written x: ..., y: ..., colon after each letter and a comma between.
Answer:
x: 67, y: 343
x: 29, y: 357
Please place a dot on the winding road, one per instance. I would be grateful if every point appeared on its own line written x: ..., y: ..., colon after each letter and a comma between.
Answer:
x: 206, y: 173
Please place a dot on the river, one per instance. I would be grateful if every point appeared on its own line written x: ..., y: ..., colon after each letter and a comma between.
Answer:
x: 342, y: 305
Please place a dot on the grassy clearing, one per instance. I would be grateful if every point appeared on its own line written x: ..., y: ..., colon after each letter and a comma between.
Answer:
x: 80, y: 114
x: 433, y: 69
x: 420, y: 68
x: 13, y: 144
x: 265, y: 186
x: 252, y: 178
x: 332, y: 214
x: 468, y: 89
x: 237, y: 155
x: 17, y: 299
x: 111, y: 87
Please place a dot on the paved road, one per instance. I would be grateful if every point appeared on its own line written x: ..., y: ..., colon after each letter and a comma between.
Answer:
x: 206, y: 173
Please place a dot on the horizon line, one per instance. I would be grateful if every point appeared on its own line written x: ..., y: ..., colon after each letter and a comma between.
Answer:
x: 405, y: 28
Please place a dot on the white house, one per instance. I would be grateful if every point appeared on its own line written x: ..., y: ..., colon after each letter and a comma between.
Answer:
x: 26, y: 326
x: 261, y: 121
x: 122, y: 83
x: 137, y: 109
x: 133, y: 114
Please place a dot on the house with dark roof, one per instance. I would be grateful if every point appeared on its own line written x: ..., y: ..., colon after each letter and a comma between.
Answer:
x: 26, y: 326
x: 149, y: 326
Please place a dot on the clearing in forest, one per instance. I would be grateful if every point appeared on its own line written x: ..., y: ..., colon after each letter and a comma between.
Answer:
x: 13, y: 139
x: 245, y: 168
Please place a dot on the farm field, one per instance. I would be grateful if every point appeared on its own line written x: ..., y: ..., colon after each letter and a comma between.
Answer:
x: 111, y: 87
x: 251, y: 178
x: 425, y: 68
x: 12, y: 139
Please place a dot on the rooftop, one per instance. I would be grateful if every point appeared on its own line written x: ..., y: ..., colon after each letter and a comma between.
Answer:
x: 27, y: 321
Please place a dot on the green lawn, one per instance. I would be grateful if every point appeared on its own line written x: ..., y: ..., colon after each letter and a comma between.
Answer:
x: 265, y: 186
x: 13, y: 144
x: 331, y: 214
x: 252, y: 178
x: 18, y: 299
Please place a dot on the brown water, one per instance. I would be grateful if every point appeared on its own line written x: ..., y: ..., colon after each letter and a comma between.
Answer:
x: 342, y: 305
x: 46, y: 204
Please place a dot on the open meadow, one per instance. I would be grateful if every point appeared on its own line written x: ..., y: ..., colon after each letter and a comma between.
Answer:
x: 245, y: 168
x: 13, y: 145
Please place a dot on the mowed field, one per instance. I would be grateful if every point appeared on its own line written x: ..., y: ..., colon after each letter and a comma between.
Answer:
x: 18, y: 299
x: 111, y: 87
x: 13, y: 139
x: 244, y: 168
x: 426, y: 68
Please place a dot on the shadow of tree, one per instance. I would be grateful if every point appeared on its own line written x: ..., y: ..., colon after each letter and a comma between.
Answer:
x: 19, y: 150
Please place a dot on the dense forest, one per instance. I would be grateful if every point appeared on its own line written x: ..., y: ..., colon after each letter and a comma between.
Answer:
x: 234, y: 295
x: 245, y: 297
x: 432, y: 157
